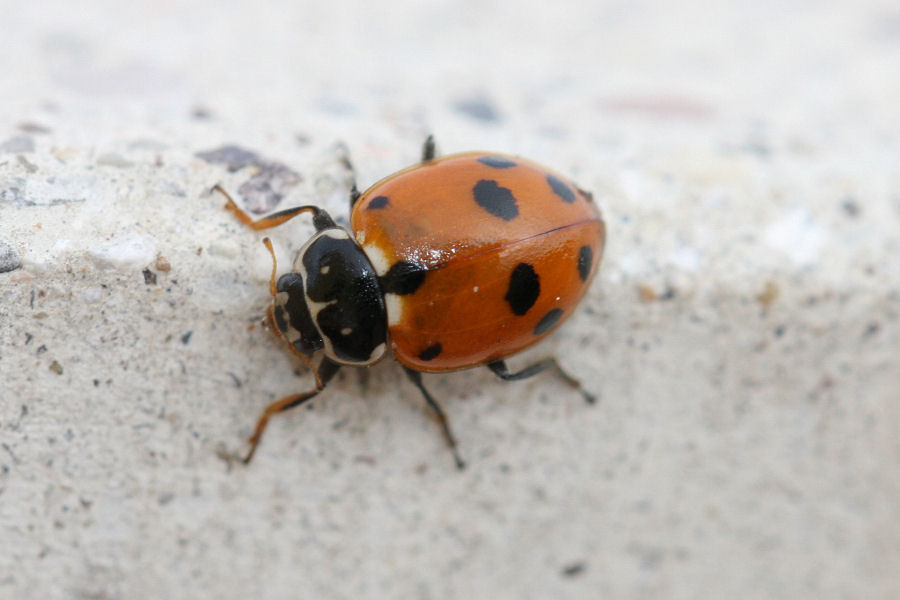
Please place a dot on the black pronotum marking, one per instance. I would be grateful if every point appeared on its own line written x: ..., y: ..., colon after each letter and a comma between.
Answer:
x: 499, y: 201
x: 297, y: 314
x: 377, y: 202
x: 585, y: 258
x: 524, y: 289
x: 497, y: 162
x: 548, y: 321
x: 561, y: 189
x: 403, y: 278
x: 431, y: 352
x: 339, y: 274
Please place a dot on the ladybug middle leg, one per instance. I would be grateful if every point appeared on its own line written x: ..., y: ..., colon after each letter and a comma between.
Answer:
x: 324, y: 373
x: 416, y: 378
x: 499, y: 368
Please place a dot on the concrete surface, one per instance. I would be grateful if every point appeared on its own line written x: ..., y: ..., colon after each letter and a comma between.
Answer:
x: 743, y: 334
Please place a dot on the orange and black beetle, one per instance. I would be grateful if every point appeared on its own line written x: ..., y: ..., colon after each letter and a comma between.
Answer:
x: 453, y: 263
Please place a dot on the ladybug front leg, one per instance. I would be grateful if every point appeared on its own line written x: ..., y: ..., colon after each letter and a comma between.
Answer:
x: 499, y: 368
x: 321, y: 219
x: 324, y: 373
x: 416, y: 378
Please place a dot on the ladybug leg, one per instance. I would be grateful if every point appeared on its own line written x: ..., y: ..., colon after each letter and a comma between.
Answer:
x: 354, y: 196
x: 428, y: 151
x: 416, y: 378
x: 344, y: 158
x: 321, y: 219
x: 324, y: 373
x: 499, y: 368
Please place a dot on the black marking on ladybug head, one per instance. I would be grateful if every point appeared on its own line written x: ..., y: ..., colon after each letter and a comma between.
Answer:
x: 561, y: 189
x: 403, y: 278
x: 378, y: 202
x: 292, y: 316
x: 585, y: 258
x: 548, y: 321
x: 431, y: 352
x: 499, y: 201
x: 345, y: 300
x: 496, y: 162
x: 524, y: 289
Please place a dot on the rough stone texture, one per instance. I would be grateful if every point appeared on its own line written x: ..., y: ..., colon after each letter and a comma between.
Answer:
x: 743, y: 335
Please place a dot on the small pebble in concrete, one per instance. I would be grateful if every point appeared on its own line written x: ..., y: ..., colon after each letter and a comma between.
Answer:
x: 162, y: 264
x: 127, y: 254
x: 111, y: 159
x: 9, y: 258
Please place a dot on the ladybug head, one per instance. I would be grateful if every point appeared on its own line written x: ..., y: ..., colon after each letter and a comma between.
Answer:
x: 332, y: 301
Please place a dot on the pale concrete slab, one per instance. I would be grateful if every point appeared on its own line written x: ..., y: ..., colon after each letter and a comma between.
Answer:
x: 742, y: 336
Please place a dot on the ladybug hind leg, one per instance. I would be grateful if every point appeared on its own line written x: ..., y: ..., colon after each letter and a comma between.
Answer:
x: 499, y: 368
x: 428, y: 149
x: 343, y: 153
x: 439, y: 414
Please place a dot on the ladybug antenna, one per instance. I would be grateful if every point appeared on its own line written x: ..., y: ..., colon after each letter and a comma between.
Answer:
x: 273, y: 289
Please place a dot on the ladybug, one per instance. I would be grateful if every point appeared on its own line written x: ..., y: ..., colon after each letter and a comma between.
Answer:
x: 456, y: 262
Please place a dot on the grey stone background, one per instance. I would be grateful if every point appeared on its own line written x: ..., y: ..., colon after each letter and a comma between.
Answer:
x: 742, y: 336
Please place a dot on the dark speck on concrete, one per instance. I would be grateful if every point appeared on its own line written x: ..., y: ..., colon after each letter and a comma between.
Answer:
x: 574, y: 569
x: 201, y: 113
x: 149, y: 277
x: 234, y: 158
x: 264, y: 191
x: 18, y: 143
x: 185, y: 338
x: 478, y: 108
x: 31, y: 127
x: 268, y: 185
x: 850, y: 207
x: 9, y: 259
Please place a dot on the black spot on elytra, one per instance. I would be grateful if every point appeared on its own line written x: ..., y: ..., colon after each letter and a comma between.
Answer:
x: 431, y: 352
x: 497, y: 162
x: 561, y: 189
x: 585, y: 258
x: 403, y: 278
x: 548, y: 321
x: 499, y: 201
x: 524, y: 289
x: 377, y: 202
